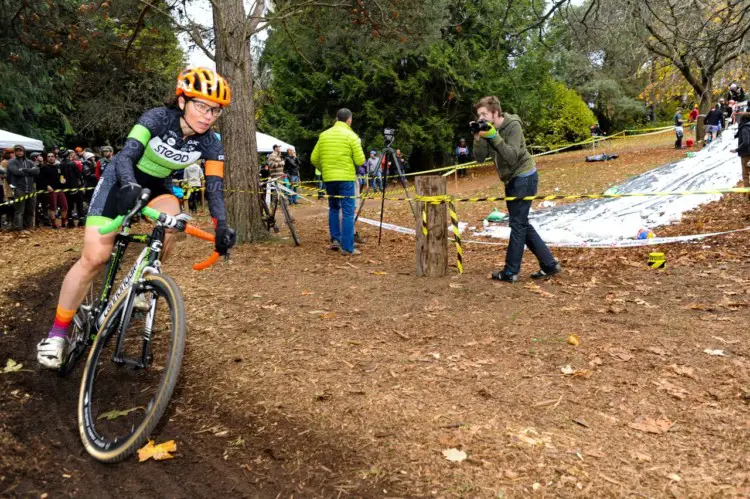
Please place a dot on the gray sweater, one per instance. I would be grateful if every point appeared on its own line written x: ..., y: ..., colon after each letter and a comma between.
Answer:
x: 21, y: 173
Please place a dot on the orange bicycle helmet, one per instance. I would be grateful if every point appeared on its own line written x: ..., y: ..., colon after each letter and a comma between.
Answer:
x: 204, y: 83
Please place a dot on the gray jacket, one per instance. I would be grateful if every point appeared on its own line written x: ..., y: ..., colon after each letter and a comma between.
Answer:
x: 507, y: 149
x: 21, y: 173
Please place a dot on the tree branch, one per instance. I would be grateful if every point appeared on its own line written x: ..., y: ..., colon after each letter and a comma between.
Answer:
x: 138, y: 27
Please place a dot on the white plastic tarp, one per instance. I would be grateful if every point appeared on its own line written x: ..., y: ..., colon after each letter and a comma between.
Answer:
x: 616, y: 219
x: 266, y: 143
x: 9, y: 139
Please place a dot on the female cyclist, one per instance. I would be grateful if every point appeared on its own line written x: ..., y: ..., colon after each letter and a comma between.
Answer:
x: 164, y: 139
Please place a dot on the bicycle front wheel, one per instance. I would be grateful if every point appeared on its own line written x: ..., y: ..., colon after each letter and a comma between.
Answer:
x: 288, y: 219
x: 125, y: 390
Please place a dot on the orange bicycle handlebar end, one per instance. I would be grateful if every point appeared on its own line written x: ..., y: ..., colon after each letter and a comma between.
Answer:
x: 207, y: 263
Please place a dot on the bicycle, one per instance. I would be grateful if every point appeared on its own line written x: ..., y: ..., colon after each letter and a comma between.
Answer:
x: 274, y: 194
x: 129, y: 378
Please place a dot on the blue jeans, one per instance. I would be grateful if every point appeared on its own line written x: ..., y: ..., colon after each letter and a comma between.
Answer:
x: 341, y: 226
x: 522, y: 233
x: 377, y: 181
x: 294, y: 179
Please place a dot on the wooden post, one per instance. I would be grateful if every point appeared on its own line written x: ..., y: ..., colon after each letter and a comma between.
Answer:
x: 432, y: 249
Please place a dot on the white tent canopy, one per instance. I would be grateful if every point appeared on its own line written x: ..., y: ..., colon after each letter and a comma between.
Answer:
x: 8, y: 139
x: 266, y: 143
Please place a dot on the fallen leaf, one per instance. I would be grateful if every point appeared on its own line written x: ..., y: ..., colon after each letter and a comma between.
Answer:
x: 698, y: 306
x: 674, y: 390
x: 620, y: 354
x: 257, y: 296
x: 726, y: 342
x: 574, y: 340
x: 378, y: 272
x: 684, y: 371
x: 583, y: 373
x: 581, y: 422
x: 529, y: 436
x: 157, y: 452
x: 308, y: 293
x: 328, y: 315
x: 718, y: 353
x: 114, y: 413
x: 454, y: 455
x: 614, y: 309
x: 11, y: 366
x: 650, y: 425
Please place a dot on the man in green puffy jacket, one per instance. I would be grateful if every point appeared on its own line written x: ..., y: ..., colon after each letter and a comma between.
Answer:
x: 337, y: 155
x: 499, y: 135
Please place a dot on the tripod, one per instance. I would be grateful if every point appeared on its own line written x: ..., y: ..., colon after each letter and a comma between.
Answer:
x: 387, y: 153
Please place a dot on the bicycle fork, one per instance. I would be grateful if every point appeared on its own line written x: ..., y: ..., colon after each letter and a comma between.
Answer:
x: 139, y: 287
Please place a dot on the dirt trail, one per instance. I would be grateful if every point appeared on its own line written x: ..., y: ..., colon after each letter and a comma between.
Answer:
x: 41, y: 452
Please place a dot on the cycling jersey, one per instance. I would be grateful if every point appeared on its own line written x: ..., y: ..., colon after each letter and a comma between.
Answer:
x: 153, y: 151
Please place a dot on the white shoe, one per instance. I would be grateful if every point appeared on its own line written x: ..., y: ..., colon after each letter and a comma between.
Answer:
x: 50, y: 352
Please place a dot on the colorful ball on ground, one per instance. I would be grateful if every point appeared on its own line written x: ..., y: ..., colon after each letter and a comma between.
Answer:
x: 645, y: 234
x: 689, y: 142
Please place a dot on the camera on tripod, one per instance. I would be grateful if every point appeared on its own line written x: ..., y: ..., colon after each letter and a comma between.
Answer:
x: 479, y: 126
x: 389, y: 134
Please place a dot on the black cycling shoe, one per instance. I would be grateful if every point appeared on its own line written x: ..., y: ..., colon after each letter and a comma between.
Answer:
x: 502, y: 275
x: 546, y: 272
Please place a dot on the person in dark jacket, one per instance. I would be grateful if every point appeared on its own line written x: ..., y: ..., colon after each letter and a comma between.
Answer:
x: 51, y: 180
x: 713, y: 123
x: 291, y: 169
x: 743, y: 148
x: 22, y: 174
x: 500, y: 135
x: 72, y: 171
x: 736, y: 93
x: 678, y: 130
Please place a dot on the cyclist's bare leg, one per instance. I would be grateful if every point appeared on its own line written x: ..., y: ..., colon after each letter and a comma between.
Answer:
x: 168, y: 204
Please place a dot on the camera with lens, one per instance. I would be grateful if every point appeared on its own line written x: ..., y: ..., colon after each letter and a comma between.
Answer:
x: 479, y: 126
x: 389, y: 134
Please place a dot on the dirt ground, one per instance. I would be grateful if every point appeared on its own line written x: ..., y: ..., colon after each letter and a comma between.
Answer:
x: 308, y: 374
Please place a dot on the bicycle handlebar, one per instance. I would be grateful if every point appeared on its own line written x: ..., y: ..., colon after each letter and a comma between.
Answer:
x: 153, y: 214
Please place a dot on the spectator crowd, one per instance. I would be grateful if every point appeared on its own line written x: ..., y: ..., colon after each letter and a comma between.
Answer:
x: 53, y: 188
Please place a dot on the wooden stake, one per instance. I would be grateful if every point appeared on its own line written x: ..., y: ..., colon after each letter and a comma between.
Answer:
x: 432, y: 248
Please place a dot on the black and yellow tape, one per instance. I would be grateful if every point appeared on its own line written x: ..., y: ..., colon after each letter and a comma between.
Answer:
x: 457, y: 237
x: 36, y: 193
x: 657, y: 260
x: 424, y: 219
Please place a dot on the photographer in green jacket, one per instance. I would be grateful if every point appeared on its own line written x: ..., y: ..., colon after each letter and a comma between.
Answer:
x: 500, y: 136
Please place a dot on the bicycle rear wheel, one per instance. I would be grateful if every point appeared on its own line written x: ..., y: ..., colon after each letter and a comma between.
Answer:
x: 288, y: 219
x: 120, y: 403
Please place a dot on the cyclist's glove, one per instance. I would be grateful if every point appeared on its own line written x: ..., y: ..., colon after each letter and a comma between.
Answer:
x: 177, y: 221
x: 127, y: 196
x: 225, y: 238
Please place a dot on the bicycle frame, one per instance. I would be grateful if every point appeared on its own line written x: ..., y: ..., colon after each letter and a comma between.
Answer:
x: 147, y: 262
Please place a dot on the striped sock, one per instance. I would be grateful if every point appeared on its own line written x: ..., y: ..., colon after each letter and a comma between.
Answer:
x: 63, y: 318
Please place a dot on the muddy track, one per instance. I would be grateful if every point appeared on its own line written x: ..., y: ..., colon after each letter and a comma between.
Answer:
x: 40, y: 450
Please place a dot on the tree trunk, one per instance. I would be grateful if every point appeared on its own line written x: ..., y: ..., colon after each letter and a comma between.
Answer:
x: 234, y: 62
x: 704, y: 107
